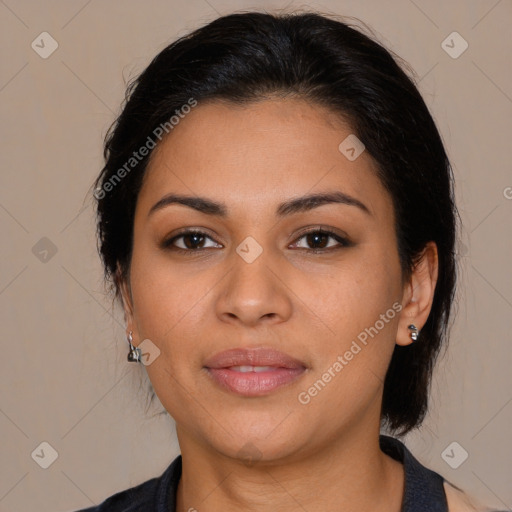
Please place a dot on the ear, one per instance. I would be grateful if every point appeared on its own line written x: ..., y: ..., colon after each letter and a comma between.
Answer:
x: 127, y: 300
x: 418, y: 294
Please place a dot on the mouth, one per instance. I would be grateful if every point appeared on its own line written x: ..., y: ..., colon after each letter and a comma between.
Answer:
x: 253, y: 372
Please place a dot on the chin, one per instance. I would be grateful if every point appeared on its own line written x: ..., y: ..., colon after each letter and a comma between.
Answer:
x: 256, y: 440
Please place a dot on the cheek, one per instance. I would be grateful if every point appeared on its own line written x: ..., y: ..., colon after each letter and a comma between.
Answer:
x: 172, y: 307
x: 163, y: 295
x: 353, y: 295
x: 360, y: 305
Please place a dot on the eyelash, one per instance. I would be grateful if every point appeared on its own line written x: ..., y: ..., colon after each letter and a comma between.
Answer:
x: 168, y: 244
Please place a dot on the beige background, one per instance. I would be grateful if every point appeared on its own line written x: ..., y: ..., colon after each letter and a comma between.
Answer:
x: 65, y: 379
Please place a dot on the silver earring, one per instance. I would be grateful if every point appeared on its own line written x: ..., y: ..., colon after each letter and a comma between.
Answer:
x: 414, y: 332
x: 134, y: 354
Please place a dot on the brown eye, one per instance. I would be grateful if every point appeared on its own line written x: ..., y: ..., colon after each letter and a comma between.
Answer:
x: 320, y: 240
x: 317, y: 240
x: 189, y: 241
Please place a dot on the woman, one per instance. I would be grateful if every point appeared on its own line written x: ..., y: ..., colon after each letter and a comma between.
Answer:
x: 276, y: 216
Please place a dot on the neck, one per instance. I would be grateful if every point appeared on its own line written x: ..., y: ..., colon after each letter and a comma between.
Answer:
x: 350, y: 474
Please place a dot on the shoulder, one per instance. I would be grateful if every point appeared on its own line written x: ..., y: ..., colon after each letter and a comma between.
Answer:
x: 136, y: 498
x: 459, y: 501
x: 157, y: 494
x: 424, y: 486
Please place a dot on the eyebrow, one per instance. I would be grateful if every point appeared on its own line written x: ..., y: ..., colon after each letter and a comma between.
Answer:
x: 296, y: 205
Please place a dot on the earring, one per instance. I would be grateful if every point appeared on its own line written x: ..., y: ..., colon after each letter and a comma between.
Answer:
x: 134, y: 354
x: 414, y: 332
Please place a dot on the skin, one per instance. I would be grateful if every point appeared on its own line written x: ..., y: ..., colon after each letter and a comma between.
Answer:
x: 322, y: 456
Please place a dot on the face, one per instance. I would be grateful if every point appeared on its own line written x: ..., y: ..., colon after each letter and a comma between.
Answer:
x: 319, y: 282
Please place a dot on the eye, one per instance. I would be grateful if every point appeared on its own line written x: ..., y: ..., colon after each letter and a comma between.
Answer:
x: 319, y: 237
x: 191, y: 241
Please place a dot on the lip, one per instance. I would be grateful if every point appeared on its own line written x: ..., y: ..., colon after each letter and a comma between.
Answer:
x: 282, y: 370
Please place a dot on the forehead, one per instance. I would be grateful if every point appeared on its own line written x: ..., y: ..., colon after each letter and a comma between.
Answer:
x: 257, y: 155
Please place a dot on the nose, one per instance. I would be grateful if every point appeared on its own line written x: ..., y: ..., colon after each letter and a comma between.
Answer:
x: 255, y: 292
